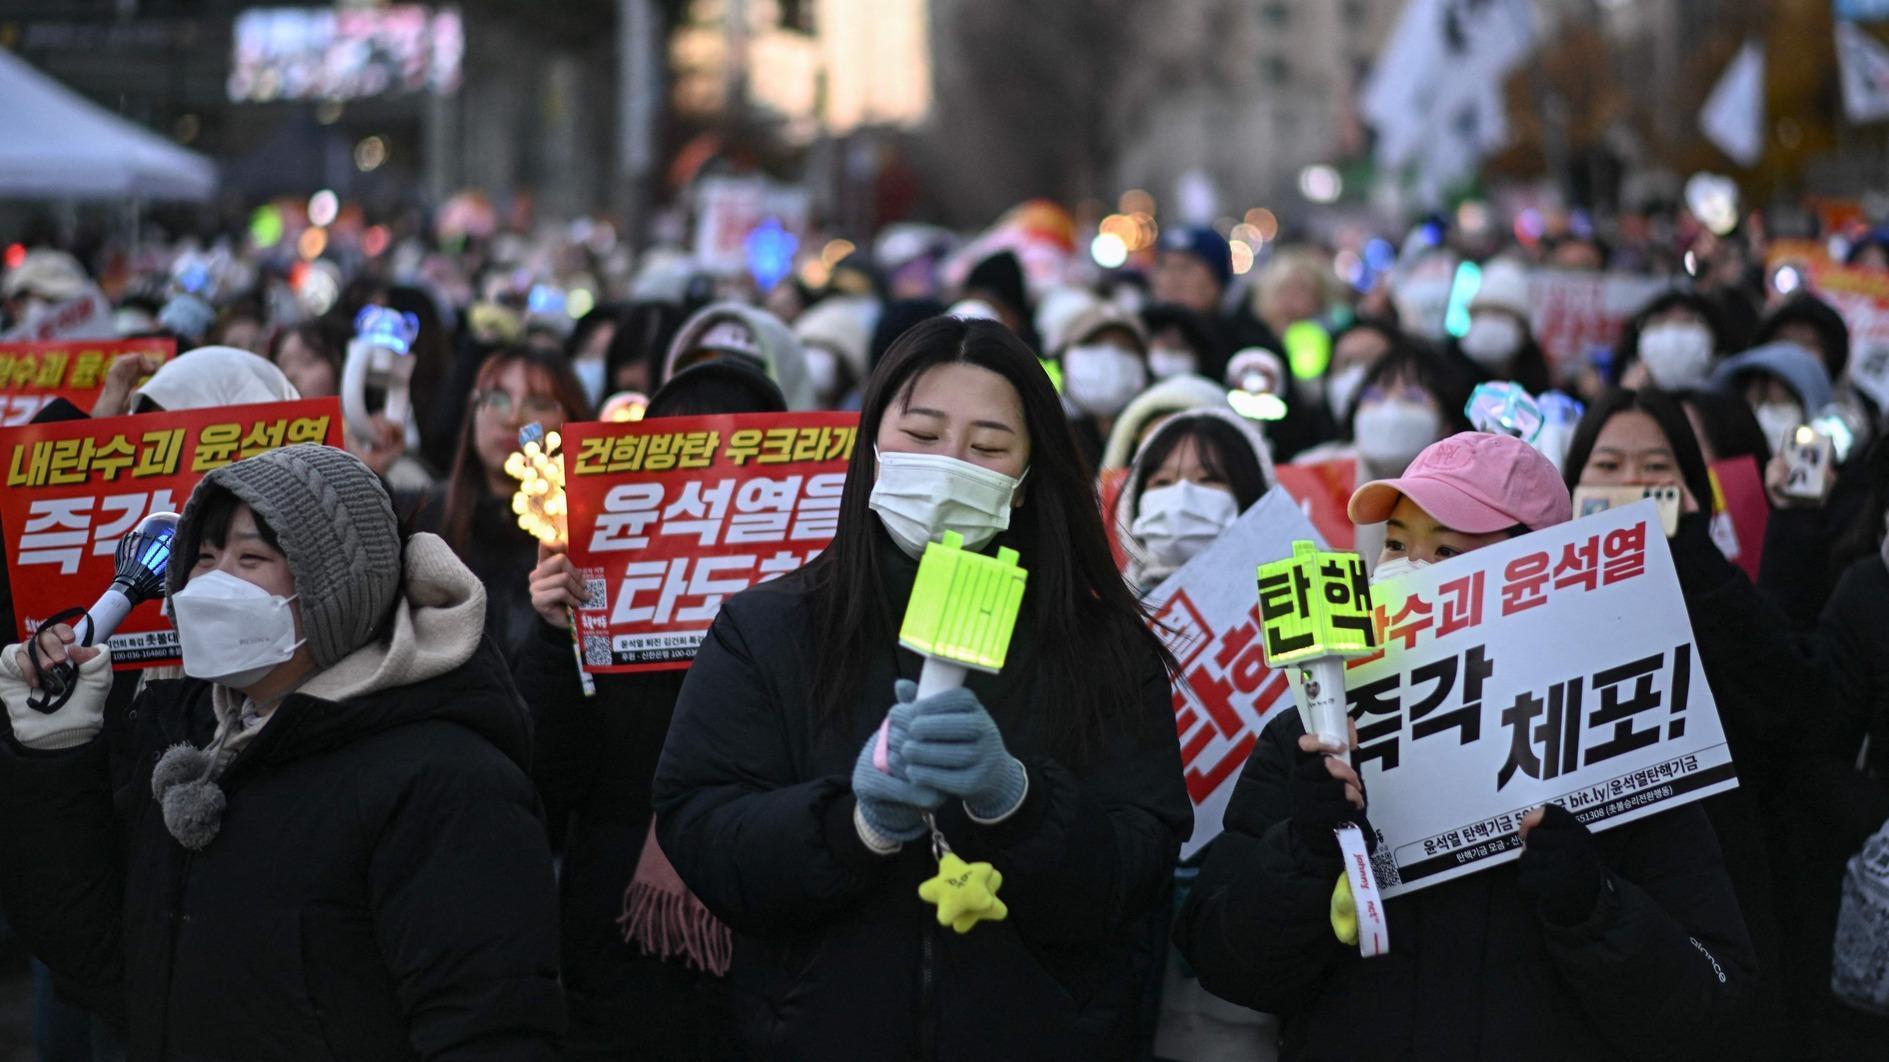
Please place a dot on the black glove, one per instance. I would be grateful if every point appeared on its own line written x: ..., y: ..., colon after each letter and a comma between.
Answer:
x: 1560, y: 869
x: 1319, y: 806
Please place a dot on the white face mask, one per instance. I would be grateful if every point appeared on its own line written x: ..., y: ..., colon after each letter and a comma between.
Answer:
x: 1391, y: 434
x: 1492, y: 340
x: 1099, y: 379
x: 232, y: 631
x: 1342, y: 387
x: 1777, y: 420
x: 1395, y: 567
x: 1176, y: 522
x: 1677, y: 355
x: 1165, y: 362
x: 921, y: 496
x: 590, y: 375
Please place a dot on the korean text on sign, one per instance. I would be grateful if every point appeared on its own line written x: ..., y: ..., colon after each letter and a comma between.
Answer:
x: 33, y: 374
x: 74, y: 488
x: 669, y: 517
x: 1225, y: 692
x: 1555, y: 667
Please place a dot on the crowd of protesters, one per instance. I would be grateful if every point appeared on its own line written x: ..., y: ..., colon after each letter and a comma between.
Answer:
x: 391, y: 825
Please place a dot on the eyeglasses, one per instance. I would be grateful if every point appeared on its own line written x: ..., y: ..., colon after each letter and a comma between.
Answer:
x: 533, y: 407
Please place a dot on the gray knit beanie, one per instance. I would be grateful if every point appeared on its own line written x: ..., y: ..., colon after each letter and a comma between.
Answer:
x: 337, y: 528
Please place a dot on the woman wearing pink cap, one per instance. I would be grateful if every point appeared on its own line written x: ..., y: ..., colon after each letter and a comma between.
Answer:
x: 1624, y: 944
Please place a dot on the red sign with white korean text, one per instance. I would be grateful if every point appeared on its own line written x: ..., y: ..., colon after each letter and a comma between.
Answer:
x: 670, y: 516
x: 33, y: 374
x: 73, y: 489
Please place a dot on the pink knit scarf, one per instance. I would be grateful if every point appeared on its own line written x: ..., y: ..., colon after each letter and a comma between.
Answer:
x: 664, y: 918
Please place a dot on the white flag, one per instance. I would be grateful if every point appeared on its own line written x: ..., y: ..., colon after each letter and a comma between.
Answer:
x: 1435, y: 94
x: 1864, y: 62
x: 1733, y: 117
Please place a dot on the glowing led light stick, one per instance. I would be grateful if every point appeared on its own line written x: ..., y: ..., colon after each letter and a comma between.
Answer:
x: 1315, y: 611
x: 542, y: 509
x: 960, y: 616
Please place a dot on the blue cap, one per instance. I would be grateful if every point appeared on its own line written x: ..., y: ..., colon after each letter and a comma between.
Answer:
x: 1203, y: 243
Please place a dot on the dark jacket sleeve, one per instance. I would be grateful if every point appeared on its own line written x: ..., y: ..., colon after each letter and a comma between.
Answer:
x: 465, y: 909
x: 1758, y: 670
x: 764, y: 849
x: 1794, y: 568
x: 1089, y: 850
x: 62, y: 867
x: 1257, y: 926
x: 1664, y: 959
x: 568, y: 734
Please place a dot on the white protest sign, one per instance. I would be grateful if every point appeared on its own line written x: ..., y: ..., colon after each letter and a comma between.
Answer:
x: 727, y: 209
x: 1208, y: 614
x: 1556, y: 667
x: 1577, y: 310
x: 86, y: 316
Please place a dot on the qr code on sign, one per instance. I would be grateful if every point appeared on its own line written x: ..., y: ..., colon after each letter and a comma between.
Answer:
x: 594, y: 594
x: 596, y: 650
x: 1384, y: 865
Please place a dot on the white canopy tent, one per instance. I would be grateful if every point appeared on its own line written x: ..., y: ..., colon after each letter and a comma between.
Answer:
x: 55, y: 144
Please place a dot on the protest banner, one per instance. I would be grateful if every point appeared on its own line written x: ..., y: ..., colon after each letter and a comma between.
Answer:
x: 1323, y: 490
x: 1577, y: 311
x: 87, y: 315
x: 33, y: 374
x: 75, y: 487
x: 668, y: 517
x: 1558, y: 667
x: 1208, y: 614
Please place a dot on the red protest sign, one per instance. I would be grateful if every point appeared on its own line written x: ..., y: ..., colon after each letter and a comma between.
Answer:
x: 1740, y: 511
x: 1323, y: 491
x: 33, y: 374
x: 73, y: 489
x: 668, y: 517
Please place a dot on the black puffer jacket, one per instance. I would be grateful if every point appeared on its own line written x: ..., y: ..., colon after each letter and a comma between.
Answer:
x: 836, y: 958
x: 1474, y: 971
x: 380, y: 887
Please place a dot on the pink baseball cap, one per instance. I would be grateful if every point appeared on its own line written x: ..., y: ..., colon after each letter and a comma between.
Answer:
x: 1473, y: 482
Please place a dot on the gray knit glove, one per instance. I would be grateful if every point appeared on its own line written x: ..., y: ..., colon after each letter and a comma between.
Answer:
x: 954, y: 747
x: 890, y: 803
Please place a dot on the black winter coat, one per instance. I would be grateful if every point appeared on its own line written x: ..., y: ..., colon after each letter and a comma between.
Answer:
x: 593, y: 759
x: 1474, y: 971
x: 380, y: 887
x: 836, y: 958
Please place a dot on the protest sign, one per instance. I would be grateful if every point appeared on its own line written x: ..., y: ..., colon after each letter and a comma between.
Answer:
x: 75, y: 487
x: 1577, y: 311
x: 668, y: 517
x: 1555, y: 667
x: 1740, y: 512
x: 1323, y: 490
x: 33, y: 374
x: 1208, y: 614
x: 87, y: 315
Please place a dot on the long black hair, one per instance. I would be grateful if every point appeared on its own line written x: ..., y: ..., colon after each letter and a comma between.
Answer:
x: 1091, y: 634
x: 1224, y: 453
x: 1667, y: 413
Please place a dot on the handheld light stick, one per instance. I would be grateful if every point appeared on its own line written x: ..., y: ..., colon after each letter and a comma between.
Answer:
x: 380, y: 356
x: 1315, y: 608
x: 541, y: 508
x: 961, y: 614
x: 142, y: 559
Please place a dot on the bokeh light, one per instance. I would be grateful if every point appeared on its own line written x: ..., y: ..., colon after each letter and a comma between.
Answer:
x: 370, y: 153
x: 1108, y: 250
x: 1320, y: 183
x: 323, y: 207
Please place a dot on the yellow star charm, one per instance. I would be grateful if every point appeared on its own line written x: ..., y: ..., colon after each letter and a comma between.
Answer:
x: 965, y: 893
